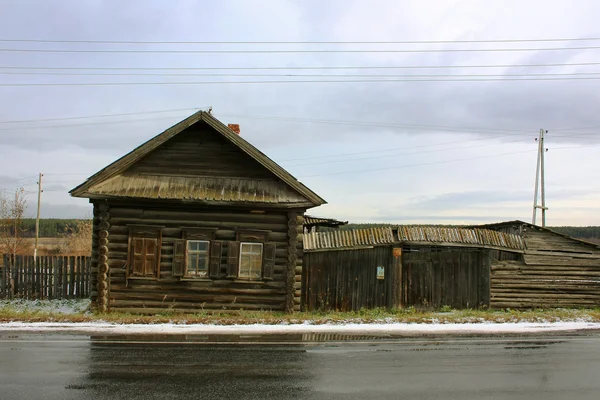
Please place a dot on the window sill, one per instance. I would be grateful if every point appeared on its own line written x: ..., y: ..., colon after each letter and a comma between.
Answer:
x: 142, y: 278
x: 250, y: 281
x: 194, y: 279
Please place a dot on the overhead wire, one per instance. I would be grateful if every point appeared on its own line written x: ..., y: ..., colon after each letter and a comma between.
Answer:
x: 27, y: 40
x: 430, y: 163
x: 99, y: 84
x: 102, y: 115
x: 282, y: 51
x: 229, y: 75
x: 221, y: 68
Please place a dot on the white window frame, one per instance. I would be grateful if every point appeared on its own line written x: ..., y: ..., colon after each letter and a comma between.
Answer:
x: 197, y: 252
x: 262, y: 248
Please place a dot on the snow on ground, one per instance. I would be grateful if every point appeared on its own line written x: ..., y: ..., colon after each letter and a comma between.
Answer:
x: 468, y: 325
x: 349, y: 328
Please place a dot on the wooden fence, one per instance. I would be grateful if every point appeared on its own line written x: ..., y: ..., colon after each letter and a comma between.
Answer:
x: 48, y: 277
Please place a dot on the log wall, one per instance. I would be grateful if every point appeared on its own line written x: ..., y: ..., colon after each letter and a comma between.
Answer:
x: 555, y: 271
x: 192, y: 295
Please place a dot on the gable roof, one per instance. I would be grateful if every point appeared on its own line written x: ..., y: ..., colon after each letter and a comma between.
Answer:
x: 128, y: 160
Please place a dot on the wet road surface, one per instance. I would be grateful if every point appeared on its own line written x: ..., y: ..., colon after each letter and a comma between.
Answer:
x: 41, y: 366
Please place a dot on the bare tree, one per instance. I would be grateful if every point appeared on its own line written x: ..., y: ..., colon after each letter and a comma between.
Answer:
x: 78, y: 238
x: 12, y: 211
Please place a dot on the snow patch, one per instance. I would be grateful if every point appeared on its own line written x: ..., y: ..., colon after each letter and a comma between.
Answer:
x: 386, y: 328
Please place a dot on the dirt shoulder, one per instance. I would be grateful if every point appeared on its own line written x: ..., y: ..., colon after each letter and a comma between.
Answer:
x: 77, y: 311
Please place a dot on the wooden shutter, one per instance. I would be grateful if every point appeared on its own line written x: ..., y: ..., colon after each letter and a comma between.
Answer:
x: 150, y: 259
x: 214, y: 267
x: 233, y: 259
x: 179, y: 259
x: 137, y: 257
x: 268, y: 265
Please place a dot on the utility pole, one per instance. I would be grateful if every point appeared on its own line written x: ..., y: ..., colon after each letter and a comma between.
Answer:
x: 539, y: 178
x: 37, y: 220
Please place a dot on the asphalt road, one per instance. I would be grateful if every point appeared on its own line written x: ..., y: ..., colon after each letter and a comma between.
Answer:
x: 36, y: 366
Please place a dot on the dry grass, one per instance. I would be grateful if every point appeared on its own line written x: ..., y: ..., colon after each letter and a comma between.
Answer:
x: 10, y: 313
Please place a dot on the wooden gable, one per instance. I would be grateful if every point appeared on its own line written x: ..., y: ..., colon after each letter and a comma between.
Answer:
x: 199, y: 151
x: 199, y: 160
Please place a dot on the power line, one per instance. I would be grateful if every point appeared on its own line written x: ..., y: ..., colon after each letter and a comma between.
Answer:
x: 308, y: 75
x: 294, y: 81
x: 306, y: 67
x: 432, y: 163
x: 238, y: 51
x: 101, y: 116
x: 406, y: 154
x: 296, y: 42
x: 85, y: 124
x: 329, y: 161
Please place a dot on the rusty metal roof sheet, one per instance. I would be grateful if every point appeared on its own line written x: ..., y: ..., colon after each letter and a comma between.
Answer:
x: 348, y: 239
x: 197, y: 188
x: 467, y: 236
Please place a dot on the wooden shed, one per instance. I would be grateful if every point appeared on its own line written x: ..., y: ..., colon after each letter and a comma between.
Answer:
x: 196, y: 219
x: 419, y: 266
x: 555, y: 270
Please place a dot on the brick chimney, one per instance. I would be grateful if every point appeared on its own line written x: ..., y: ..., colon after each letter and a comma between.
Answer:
x: 234, y: 127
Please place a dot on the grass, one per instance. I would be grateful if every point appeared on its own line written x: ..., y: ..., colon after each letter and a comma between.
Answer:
x: 78, y: 311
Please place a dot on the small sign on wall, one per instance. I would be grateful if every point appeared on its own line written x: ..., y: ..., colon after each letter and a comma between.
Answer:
x: 380, y: 272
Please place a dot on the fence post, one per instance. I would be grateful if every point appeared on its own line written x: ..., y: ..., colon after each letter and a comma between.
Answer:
x: 11, y: 279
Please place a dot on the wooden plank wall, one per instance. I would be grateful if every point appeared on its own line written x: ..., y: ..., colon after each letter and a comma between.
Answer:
x: 436, y: 277
x: 555, y: 271
x: 51, y: 277
x: 347, y: 280
x: 170, y: 293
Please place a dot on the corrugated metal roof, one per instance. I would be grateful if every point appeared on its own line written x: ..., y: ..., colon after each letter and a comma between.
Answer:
x: 481, y: 237
x: 441, y: 236
x: 348, y: 239
x: 197, y: 188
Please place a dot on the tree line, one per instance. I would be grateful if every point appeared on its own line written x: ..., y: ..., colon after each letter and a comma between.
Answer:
x: 49, y: 227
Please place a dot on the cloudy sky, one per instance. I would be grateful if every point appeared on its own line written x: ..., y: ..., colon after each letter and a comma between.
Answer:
x: 385, y: 140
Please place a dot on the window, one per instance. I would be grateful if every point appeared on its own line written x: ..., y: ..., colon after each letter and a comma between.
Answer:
x: 144, y: 257
x: 197, y: 257
x: 144, y: 251
x: 251, y: 260
x: 251, y: 256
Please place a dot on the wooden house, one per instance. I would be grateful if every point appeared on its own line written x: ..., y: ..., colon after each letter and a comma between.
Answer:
x: 555, y: 270
x: 196, y: 219
x: 404, y: 266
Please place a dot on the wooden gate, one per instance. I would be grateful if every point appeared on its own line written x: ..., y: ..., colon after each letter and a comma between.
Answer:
x: 434, y: 277
x: 348, y: 280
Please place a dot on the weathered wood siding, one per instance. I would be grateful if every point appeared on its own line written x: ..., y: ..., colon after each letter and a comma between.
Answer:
x: 555, y: 271
x: 435, y: 276
x: 347, y: 280
x: 200, y: 151
x: 518, y: 285
x: 191, y: 295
